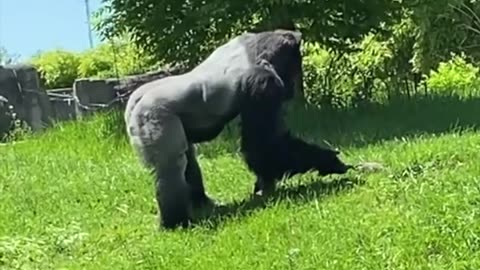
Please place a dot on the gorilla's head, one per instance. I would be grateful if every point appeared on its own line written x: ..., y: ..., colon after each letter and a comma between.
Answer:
x: 281, y: 48
x: 292, y: 63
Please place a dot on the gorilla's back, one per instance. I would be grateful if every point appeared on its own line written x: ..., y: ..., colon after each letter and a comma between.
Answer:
x: 203, y: 96
x: 201, y: 100
x: 229, y: 56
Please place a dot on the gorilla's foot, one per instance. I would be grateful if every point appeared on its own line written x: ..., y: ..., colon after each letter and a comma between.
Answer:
x: 204, y: 206
x: 201, y: 200
x: 173, y: 200
x: 175, y: 217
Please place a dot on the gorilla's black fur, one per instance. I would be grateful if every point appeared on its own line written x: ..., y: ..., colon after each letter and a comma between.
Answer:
x: 252, y: 75
x: 282, y: 51
x: 268, y: 147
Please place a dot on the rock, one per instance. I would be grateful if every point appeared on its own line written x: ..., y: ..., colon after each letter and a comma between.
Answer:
x: 369, y: 167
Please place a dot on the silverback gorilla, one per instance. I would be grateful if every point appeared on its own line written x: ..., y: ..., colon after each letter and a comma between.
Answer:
x: 252, y: 75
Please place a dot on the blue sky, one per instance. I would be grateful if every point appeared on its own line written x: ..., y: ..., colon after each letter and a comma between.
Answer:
x: 27, y: 26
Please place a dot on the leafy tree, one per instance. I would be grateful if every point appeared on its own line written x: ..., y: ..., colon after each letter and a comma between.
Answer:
x: 57, y: 68
x: 184, y: 31
x: 119, y: 57
x: 444, y: 27
x: 370, y: 48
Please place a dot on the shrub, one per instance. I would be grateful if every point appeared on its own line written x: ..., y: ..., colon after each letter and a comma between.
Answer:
x: 95, y: 63
x: 325, y: 85
x: 60, y: 68
x: 57, y: 68
x: 11, y: 127
x: 334, y: 79
x: 132, y: 59
x: 120, y: 57
x: 6, y: 117
x: 454, y: 77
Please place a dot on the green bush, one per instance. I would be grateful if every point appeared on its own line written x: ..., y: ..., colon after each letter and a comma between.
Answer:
x: 339, y: 80
x: 57, y: 68
x: 455, y: 77
x: 60, y: 68
x: 96, y: 63
x: 120, y: 57
x: 325, y: 85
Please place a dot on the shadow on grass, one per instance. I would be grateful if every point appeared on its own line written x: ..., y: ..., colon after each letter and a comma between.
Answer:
x: 297, y: 194
x: 399, y: 118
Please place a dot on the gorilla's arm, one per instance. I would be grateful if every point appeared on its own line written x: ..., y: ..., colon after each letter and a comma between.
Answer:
x: 268, y: 147
x: 272, y: 151
x: 299, y: 156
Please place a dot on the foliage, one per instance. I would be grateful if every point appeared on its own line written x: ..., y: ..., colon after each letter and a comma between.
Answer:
x: 362, y: 60
x: 120, y: 57
x: 6, y: 117
x: 445, y: 27
x: 57, y: 68
x: 20, y: 131
x: 342, y: 80
x: 96, y: 63
x: 395, y: 61
x: 11, y: 127
x: 371, y: 49
x: 455, y: 77
x: 194, y: 28
x: 326, y: 78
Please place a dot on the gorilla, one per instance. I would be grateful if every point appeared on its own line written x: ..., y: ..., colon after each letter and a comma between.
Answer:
x: 250, y: 76
x: 268, y: 147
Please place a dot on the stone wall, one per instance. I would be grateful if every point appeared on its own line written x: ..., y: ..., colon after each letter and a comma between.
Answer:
x: 20, y: 86
x: 39, y: 108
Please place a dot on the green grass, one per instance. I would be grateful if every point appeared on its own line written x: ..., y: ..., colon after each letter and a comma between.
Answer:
x: 77, y: 198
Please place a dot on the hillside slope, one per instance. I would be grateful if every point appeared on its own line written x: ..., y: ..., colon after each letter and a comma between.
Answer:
x: 75, y: 198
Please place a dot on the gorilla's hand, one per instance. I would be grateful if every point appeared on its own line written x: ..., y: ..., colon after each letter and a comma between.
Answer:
x: 329, y: 163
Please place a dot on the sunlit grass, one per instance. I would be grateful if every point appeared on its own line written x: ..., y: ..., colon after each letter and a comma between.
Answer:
x: 78, y: 198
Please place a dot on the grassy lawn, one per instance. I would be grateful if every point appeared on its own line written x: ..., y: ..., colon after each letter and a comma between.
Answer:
x: 78, y: 198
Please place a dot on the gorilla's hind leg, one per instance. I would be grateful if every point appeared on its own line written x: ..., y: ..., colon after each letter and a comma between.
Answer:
x: 173, y: 194
x: 193, y: 176
x: 159, y: 138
